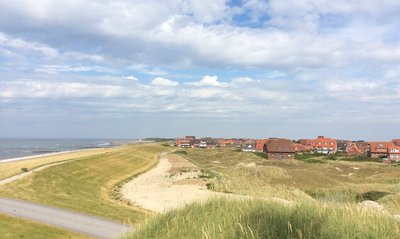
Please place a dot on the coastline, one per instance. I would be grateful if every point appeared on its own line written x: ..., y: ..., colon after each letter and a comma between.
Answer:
x: 112, y: 144
x: 37, y: 156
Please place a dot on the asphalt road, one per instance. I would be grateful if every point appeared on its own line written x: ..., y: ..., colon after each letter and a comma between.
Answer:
x: 85, y: 224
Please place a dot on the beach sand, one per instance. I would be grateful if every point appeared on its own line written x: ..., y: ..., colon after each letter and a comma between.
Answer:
x: 172, y: 183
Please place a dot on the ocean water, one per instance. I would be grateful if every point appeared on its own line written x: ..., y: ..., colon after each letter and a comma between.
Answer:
x: 15, y: 148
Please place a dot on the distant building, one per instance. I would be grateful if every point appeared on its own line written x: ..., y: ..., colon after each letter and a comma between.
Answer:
x: 280, y: 149
x: 324, y: 145
x: 186, y: 142
x: 394, y: 153
x: 342, y: 145
x: 249, y: 148
x: 379, y: 149
x: 357, y: 148
x: 260, y: 144
x: 298, y: 147
x: 396, y: 142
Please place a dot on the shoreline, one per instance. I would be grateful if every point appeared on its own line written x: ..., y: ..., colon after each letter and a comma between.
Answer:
x: 112, y: 144
x: 37, y: 156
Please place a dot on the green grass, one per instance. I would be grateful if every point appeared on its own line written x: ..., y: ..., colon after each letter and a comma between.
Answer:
x: 85, y: 185
x: 309, y: 177
x: 222, y: 218
x: 12, y: 228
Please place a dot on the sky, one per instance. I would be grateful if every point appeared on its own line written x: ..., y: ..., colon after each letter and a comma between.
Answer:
x: 170, y: 68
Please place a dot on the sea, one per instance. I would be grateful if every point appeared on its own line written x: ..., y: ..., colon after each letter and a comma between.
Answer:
x: 16, y: 148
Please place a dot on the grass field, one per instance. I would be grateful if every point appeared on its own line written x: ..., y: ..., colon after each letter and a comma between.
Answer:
x: 12, y: 228
x: 85, y: 185
x: 255, y: 219
x: 13, y: 168
x: 314, y: 178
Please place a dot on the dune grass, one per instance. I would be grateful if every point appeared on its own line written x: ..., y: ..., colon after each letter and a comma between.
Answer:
x: 327, y: 180
x: 12, y: 227
x: 12, y: 168
x: 85, y: 185
x: 224, y: 218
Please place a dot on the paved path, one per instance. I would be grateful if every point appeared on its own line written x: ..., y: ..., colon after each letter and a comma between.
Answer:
x: 89, y: 225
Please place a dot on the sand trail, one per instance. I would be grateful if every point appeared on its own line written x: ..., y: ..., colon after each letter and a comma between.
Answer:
x: 159, y: 190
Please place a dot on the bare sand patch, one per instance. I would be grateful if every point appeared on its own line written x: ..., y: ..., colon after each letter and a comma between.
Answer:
x: 159, y: 190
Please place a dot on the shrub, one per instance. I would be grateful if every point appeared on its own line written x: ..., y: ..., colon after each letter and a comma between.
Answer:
x: 24, y: 170
x: 182, y: 152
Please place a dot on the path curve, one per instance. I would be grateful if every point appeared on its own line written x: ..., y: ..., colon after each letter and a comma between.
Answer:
x: 85, y: 224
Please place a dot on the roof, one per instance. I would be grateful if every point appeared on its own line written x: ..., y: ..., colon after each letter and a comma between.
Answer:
x: 260, y: 143
x: 394, y: 149
x: 280, y: 146
x: 396, y: 142
x: 380, y: 147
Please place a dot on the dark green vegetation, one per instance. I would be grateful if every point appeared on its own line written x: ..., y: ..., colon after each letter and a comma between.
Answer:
x: 85, y: 185
x: 228, y: 219
x: 11, y: 228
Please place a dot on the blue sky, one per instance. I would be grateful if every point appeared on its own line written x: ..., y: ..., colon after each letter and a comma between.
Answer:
x: 129, y: 69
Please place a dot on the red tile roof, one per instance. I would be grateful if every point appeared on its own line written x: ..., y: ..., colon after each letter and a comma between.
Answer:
x: 260, y: 143
x: 280, y: 146
x: 380, y: 147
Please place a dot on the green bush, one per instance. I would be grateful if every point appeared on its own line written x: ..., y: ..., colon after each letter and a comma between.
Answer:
x: 24, y: 170
x: 183, y: 152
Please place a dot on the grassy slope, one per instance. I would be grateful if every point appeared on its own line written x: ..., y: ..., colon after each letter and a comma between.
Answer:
x: 11, y: 228
x: 264, y: 219
x: 13, y: 168
x: 294, y: 179
x: 84, y: 185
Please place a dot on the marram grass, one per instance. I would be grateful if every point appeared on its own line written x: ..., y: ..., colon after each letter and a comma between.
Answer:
x: 224, y: 218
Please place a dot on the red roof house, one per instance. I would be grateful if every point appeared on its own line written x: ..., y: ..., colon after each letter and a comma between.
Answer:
x: 379, y: 149
x: 280, y: 149
x: 394, y: 153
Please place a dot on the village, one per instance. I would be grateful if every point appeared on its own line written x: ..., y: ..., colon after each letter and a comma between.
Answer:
x: 279, y: 148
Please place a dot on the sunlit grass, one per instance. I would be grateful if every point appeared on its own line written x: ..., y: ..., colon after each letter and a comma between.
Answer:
x: 85, y: 185
x: 13, y: 168
x: 11, y: 228
x: 223, y: 218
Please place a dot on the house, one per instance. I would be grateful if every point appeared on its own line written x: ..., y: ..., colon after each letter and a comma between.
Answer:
x: 280, y: 149
x: 208, y: 142
x: 201, y: 144
x: 394, y: 153
x: 249, y: 148
x: 260, y: 144
x: 324, y: 145
x: 227, y: 142
x: 396, y: 142
x: 342, y: 145
x: 379, y: 149
x: 298, y: 147
x: 357, y: 148
x: 186, y: 142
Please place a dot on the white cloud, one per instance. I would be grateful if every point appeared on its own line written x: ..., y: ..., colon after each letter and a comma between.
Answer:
x: 242, y: 80
x: 351, y: 86
x: 159, y: 81
x: 131, y: 78
x: 210, y: 81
